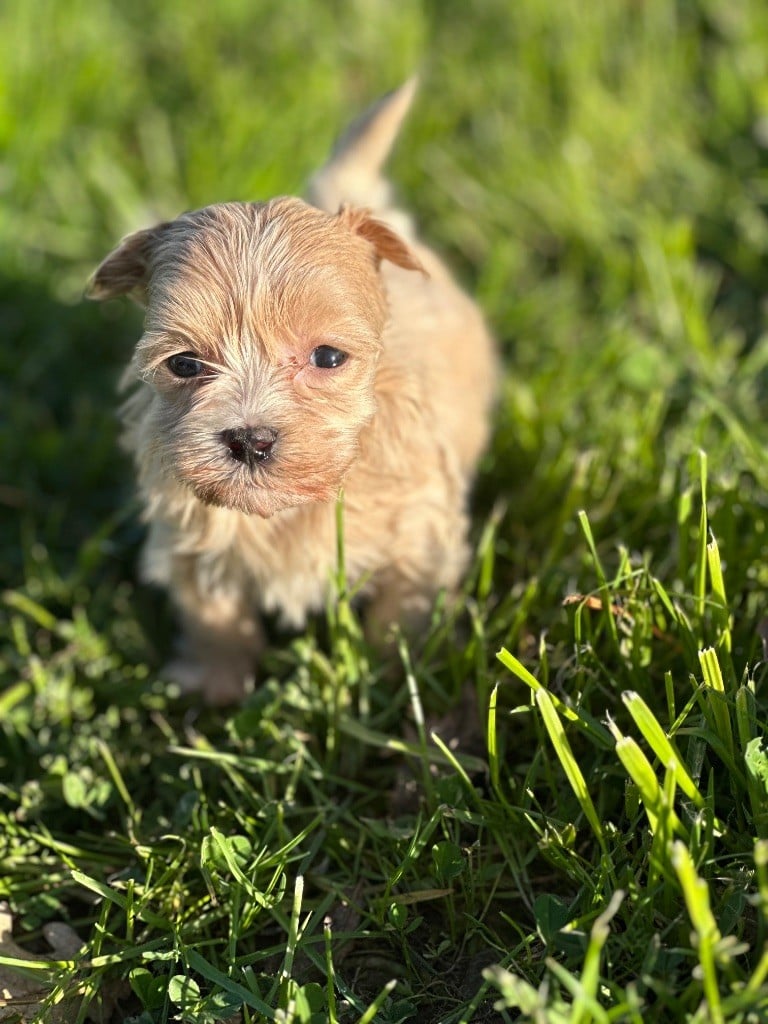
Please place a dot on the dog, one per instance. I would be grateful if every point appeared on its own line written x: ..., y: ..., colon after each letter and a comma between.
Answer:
x: 291, y: 350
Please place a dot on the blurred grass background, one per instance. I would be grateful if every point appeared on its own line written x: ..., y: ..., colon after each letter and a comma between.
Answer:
x: 596, y: 172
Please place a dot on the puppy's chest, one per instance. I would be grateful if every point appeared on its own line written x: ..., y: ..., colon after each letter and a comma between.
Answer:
x: 290, y: 560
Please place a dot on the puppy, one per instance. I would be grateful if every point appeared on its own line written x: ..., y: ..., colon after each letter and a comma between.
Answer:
x: 291, y: 350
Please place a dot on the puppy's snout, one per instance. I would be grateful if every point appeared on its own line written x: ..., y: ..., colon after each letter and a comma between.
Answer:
x: 249, y: 445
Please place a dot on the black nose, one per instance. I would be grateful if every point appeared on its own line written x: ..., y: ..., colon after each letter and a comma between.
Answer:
x: 249, y: 445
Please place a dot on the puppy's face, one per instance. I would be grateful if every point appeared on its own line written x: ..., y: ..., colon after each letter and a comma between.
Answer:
x: 262, y: 335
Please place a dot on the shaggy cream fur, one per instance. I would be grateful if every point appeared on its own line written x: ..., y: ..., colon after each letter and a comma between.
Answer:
x: 243, y: 446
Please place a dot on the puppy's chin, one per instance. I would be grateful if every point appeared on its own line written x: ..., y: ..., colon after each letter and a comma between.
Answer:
x: 264, y: 498
x: 261, y: 500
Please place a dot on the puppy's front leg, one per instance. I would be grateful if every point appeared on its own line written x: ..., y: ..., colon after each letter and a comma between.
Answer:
x: 396, y: 602
x: 406, y: 595
x: 221, y: 636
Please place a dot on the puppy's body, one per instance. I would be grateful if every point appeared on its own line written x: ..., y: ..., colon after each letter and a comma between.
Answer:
x: 240, y: 464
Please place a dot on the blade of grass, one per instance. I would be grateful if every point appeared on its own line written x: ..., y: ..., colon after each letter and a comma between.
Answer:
x: 720, y: 718
x: 605, y: 592
x: 572, y: 771
x: 585, y: 721
x: 659, y: 743
x: 696, y: 896
x: 700, y: 575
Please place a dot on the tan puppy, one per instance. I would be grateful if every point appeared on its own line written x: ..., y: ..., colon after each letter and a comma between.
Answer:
x: 289, y: 351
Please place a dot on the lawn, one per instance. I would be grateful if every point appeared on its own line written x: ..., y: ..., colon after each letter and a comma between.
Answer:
x: 556, y: 810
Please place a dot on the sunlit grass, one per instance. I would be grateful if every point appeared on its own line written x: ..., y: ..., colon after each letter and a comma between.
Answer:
x: 556, y: 808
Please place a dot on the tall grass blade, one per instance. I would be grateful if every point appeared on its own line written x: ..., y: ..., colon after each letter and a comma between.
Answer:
x: 661, y: 745
x: 568, y: 761
x: 696, y: 896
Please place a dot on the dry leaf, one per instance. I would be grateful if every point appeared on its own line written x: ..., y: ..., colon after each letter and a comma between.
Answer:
x: 24, y: 994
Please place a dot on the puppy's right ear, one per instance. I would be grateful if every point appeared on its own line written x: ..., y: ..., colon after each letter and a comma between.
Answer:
x: 127, y: 269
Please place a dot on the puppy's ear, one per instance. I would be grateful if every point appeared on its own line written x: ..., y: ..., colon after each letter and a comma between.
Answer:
x: 126, y: 270
x: 386, y: 244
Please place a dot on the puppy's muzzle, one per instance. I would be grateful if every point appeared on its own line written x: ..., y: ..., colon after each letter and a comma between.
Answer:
x: 249, y: 445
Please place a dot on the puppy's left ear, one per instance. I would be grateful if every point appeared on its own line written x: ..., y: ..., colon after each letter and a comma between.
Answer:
x: 386, y: 244
x: 127, y: 269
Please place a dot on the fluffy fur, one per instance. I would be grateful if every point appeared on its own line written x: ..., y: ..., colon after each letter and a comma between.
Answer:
x: 250, y: 290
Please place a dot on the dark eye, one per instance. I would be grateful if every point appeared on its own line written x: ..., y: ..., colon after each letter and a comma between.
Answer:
x: 185, y: 364
x: 324, y: 357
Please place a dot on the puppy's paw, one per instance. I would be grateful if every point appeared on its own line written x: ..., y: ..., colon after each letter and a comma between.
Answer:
x: 217, y: 684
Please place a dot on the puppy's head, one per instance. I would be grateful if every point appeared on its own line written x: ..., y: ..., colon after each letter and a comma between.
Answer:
x: 262, y: 335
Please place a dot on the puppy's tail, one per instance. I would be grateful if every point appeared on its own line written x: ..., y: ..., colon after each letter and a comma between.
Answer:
x: 353, y: 172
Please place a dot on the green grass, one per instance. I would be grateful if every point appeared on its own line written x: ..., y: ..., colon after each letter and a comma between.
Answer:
x: 574, y: 830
